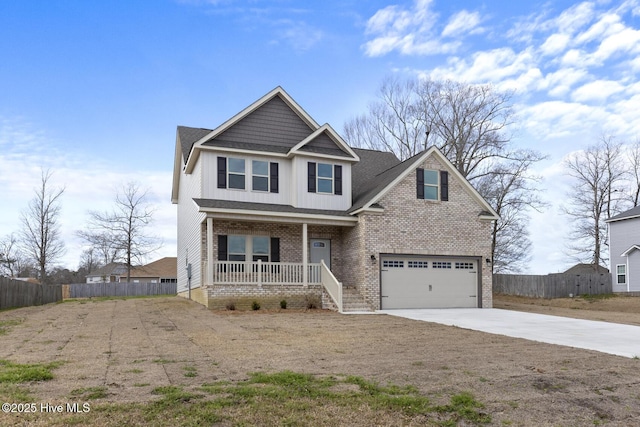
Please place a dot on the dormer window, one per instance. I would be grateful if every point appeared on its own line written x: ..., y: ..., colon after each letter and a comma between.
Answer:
x: 324, y: 178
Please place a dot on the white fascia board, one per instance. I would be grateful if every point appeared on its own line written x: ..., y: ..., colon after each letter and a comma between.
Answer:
x: 264, y: 216
x: 334, y: 137
x: 631, y: 249
x: 242, y: 151
x: 443, y: 159
x: 177, y: 170
x: 368, y: 210
x: 621, y: 219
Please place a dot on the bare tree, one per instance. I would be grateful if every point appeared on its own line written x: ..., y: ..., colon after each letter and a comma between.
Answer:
x: 88, y: 261
x: 126, y: 226
x: 40, y: 235
x: 634, y: 173
x: 104, y: 248
x: 469, y: 124
x: 593, y: 198
x: 12, y: 259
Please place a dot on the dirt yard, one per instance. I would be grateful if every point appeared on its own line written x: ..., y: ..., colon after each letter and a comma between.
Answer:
x: 131, y: 346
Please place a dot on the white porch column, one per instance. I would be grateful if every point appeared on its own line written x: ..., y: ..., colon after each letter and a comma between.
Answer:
x: 305, y: 256
x: 209, y: 251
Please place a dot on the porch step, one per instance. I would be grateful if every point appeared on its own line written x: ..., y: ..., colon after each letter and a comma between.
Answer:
x: 352, y: 300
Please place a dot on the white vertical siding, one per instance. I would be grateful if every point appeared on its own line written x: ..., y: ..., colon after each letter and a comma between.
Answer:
x: 624, y: 234
x: 189, y: 226
x: 304, y: 199
x: 210, y: 188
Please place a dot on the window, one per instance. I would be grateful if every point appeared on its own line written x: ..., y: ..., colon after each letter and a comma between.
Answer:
x: 237, y: 248
x: 418, y: 264
x: 441, y: 264
x: 432, y: 184
x: 260, y: 248
x: 393, y: 264
x: 260, y: 175
x: 236, y: 173
x: 324, y: 178
x: 464, y: 266
x: 621, y: 272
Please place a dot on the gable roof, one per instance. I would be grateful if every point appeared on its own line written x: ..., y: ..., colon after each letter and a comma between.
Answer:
x: 166, y: 267
x: 631, y: 213
x: 389, y: 178
x: 111, y: 269
x: 582, y: 268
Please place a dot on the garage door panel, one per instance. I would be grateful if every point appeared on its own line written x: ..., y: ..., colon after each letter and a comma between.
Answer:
x: 422, y: 282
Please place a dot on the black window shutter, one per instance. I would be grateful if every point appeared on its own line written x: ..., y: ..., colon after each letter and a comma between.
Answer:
x: 311, y: 177
x: 273, y: 177
x: 222, y: 172
x: 275, y: 249
x: 444, y: 186
x: 337, y: 174
x: 222, y: 247
x: 420, y: 183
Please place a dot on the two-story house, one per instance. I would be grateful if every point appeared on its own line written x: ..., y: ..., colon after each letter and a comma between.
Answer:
x: 624, y: 249
x: 273, y: 206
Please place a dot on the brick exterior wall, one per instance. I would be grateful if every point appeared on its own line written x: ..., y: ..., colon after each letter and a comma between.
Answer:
x: 407, y: 226
x: 413, y: 226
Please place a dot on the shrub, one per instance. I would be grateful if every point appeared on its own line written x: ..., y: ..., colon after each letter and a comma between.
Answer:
x: 255, y: 306
x: 283, y: 304
x: 231, y: 306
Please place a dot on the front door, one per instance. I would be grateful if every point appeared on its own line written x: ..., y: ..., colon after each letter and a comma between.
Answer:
x: 320, y: 249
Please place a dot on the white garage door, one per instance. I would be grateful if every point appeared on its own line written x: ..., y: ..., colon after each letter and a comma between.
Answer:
x: 422, y: 282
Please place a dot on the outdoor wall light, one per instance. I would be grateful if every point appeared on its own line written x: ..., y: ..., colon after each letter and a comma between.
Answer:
x: 373, y: 258
x: 488, y: 261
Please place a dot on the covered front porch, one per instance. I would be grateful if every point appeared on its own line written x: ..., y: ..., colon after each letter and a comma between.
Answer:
x: 267, y: 257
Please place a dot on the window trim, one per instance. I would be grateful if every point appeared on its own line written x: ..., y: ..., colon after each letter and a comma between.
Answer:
x: 430, y: 185
x: 324, y: 178
x: 255, y: 175
x: 229, y: 173
x: 618, y: 274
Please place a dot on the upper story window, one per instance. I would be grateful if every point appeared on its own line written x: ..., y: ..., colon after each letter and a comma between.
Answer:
x: 236, y: 173
x: 259, y: 175
x: 432, y: 184
x: 621, y: 273
x: 232, y: 173
x: 324, y: 178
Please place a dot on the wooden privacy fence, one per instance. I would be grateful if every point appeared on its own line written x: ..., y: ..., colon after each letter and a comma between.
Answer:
x: 118, y: 289
x: 16, y: 293
x: 558, y: 285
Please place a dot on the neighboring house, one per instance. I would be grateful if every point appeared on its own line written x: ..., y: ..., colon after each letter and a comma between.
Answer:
x: 624, y: 250
x: 587, y: 269
x: 109, y: 273
x: 273, y: 206
x: 164, y: 270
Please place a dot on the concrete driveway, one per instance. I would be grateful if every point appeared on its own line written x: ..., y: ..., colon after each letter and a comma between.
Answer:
x: 612, y: 338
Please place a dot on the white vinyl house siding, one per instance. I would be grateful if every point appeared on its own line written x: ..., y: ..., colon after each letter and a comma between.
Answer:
x: 189, y: 237
x: 210, y: 189
x: 304, y: 199
x: 624, y: 234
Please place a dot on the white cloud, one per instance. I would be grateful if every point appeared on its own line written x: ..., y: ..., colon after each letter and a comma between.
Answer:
x: 460, y: 23
x: 598, y: 90
x: 555, y: 44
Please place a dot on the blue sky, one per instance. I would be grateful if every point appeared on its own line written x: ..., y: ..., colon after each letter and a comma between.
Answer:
x: 94, y: 90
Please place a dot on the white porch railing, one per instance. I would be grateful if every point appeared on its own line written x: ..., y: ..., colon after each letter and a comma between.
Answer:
x: 331, y: 284
x: 264, y: 273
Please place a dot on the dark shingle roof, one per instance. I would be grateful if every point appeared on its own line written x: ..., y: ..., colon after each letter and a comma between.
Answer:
x: 188, y: 137
x: 631, y: 213
x: 266, y: 207
x: 373, y: 184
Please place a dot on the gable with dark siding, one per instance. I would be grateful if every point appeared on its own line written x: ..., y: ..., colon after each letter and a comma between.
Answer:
x: 274, y: 124
x: 323, y: 144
